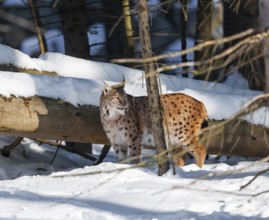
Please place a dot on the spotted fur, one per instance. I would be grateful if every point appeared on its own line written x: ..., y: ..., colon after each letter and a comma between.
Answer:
x: 126, y: 122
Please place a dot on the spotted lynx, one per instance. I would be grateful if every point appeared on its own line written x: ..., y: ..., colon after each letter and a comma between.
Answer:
x: 126, y: 122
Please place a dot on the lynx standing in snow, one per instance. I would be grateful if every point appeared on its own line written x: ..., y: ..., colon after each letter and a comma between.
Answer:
x: 126, y: 122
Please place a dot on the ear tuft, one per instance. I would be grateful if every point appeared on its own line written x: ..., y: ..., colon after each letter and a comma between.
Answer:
x: 119, y: 85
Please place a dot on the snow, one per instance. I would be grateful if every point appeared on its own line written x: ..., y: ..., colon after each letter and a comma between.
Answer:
x: 79, y: 68
x: 74, y: 91
x: 69, y: 187
x: 15, y: 57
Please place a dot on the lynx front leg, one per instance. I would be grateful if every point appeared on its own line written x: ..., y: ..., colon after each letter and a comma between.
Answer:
x: 135, y: 150
x: 120, y: 152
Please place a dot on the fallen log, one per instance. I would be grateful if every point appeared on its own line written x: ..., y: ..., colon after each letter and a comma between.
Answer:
x: 237, y: 138
x: 44, y: 118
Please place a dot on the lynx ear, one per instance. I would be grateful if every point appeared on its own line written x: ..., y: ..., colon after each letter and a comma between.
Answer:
x: 107, y: 87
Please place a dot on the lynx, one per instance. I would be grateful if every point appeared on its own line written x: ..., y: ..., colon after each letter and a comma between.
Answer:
x: 126, y: 122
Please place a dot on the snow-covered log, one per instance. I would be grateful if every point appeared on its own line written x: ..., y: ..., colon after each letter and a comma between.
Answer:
x: 39, y: 117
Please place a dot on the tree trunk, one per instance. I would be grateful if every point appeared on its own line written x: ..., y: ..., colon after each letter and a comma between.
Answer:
x: 115, y: 43
x: 263, y: 25
x: 237, y: 20
x: 152, y: 87
x: 44, y: 118
x: 75, y: 28
x: 74, y: 20
x: 203, y: 34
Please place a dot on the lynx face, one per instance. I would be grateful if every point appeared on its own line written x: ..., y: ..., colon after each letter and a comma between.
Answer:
x: 116, y: 100
x: 127, y: 124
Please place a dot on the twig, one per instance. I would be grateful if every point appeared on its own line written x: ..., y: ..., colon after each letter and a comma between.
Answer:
x: 100, y: 159
x: 103, y: 154
x: 180, y: 53
x: 5, y: 151
x: 70, y: 149
x: 233, y: 52
x: 115, y: 25
x: 255, y: 177
x: 54, y: 156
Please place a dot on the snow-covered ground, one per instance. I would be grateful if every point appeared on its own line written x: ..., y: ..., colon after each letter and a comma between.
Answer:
x: 31, y: 188
x: 34, y: 186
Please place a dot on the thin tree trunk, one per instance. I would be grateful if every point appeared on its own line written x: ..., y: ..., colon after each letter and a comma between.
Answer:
x: 203, y: 32
x: 36, y: 19
x: 152, y: 87
x: 128, y: 28
x: 74, y: 20
x: 75, y: 28
x: 184, y: 22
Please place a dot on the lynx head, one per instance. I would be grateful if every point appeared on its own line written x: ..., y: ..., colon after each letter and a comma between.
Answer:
x: 114, y: 99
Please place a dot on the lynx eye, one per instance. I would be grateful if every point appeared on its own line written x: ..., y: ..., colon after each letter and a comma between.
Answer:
x: 105, y: 91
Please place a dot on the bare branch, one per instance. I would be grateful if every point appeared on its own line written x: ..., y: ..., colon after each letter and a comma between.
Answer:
x: 255, y: 177
x: 180, y: 53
